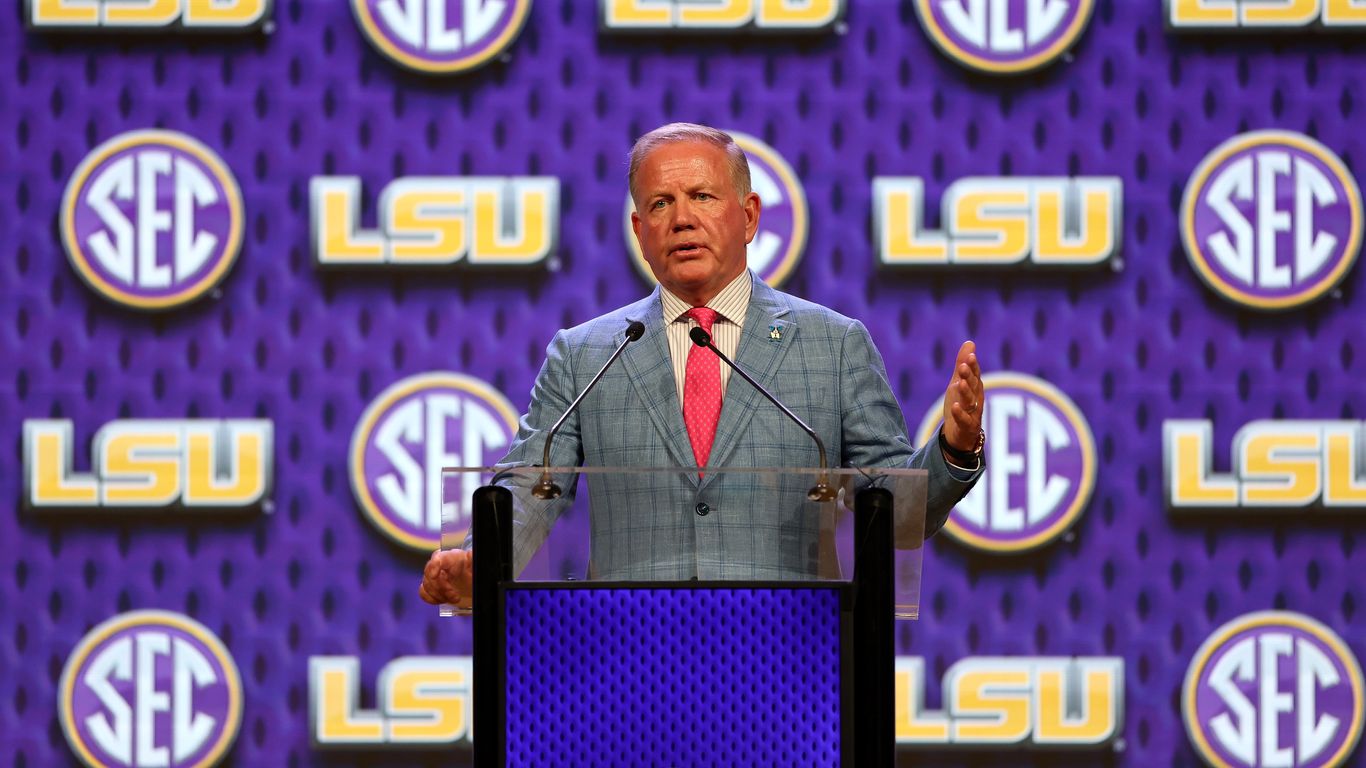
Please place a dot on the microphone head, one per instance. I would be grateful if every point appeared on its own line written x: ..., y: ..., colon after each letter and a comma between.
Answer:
x: 635, y: 330
x: 700, y: 337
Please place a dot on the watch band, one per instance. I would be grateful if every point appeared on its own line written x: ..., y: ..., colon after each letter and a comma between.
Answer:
x: 964, y: 458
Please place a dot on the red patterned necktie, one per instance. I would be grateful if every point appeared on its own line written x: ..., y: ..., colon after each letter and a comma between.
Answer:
x: 702, y: 391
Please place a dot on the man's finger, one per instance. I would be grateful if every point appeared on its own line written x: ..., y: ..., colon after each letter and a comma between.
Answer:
x: 962, y: 420
x: 968, y: 397
x: 963, y: 352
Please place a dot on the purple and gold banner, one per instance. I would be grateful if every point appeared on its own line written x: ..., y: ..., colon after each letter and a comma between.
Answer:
x: 268, y: 265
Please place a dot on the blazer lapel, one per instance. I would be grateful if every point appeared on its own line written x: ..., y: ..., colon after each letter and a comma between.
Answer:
x: 764, y: 341
x: 650, y: 368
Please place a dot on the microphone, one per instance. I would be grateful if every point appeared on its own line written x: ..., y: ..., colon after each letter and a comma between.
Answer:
x: 547, y: 489
x: 821, y: 491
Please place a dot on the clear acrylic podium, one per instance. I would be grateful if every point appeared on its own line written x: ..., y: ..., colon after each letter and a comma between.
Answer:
x: 642, y: 618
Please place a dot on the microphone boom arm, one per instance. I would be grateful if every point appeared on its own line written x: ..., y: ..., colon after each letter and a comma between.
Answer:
x: 821, y: 491
x: 546, y: 488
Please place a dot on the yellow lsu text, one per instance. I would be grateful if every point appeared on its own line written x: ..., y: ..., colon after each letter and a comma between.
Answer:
x: 437, y: 220
x: 210, y: 15
x: 1045, y: 701
x: 421, y: 700
x: 150, y: 464
x: 1264, y: 14
x: 1274, y: 464
x: 784, y: 15
x: 1049, y: 221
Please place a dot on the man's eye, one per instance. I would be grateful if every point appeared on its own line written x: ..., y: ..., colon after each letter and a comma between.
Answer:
x: 703, y: 195
x: 657, y: 204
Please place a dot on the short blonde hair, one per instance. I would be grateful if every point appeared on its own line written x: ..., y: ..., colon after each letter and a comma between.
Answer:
x: 676, y: 132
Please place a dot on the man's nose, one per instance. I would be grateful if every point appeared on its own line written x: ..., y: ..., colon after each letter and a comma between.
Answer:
x: 684, y: 216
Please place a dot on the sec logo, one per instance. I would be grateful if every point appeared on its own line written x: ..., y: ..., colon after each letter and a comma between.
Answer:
x: 778, y: 245
x: 1041, y: 466
x: 408, y: 434
x: 150, y: 688
x: 441, y: 36
x: 1271, y: 220
x: 1004, y: 36
x: 152, y: 219
x: 1273, y: 688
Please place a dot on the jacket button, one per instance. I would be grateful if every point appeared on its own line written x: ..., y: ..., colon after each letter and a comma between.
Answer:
x: 702, y: 509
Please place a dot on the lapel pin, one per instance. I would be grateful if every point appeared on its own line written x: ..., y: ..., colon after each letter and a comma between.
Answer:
x: 775, y: 333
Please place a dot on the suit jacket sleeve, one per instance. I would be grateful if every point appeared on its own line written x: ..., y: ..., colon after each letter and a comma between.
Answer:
x: 874, y: 428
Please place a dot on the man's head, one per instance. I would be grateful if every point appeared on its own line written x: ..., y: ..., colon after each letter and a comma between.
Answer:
x: 695, y: 212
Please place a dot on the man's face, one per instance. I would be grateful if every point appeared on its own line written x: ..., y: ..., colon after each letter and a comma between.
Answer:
x: 691, y: 223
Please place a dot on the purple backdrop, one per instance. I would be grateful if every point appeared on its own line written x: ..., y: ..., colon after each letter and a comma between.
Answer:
x: 309, y: 350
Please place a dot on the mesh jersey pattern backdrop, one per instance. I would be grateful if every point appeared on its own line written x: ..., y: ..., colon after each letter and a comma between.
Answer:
x: 309, y: 348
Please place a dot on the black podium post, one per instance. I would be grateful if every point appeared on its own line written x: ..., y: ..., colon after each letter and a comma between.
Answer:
x: 874, y: 642
x: 492, y: 524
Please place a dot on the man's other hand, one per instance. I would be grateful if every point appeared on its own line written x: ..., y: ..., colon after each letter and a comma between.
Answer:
x: 963, y: 400
x: 448, y: 578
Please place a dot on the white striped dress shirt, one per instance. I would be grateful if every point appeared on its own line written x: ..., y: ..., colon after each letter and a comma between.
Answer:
x: 730, y: 304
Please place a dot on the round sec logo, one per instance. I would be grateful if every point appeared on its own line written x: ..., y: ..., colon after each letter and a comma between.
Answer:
x: 441, y: 36
x: 150, y: 688
x: 1004, y: 36
x: 778, y: 245
x: 152, y: 219
x: 1041, y: 466
x: 408, y: 434
x: 1271, y: 220
x: 1273, y: 688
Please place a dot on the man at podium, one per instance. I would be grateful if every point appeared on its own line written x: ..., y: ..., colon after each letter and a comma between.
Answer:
x: 669, y: 401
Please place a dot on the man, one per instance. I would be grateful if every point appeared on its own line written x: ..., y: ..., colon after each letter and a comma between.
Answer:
x: 669, y: 403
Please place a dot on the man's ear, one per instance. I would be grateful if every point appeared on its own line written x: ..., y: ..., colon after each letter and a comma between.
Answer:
x: 752, y: 207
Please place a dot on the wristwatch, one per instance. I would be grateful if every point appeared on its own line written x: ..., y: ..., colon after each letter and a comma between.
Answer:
x: 964, y: 459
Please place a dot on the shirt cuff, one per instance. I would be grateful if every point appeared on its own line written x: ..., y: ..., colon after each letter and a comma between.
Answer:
x: 963, y: 474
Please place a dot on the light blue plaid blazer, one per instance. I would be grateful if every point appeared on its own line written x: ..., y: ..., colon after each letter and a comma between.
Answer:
x: 822, y: 365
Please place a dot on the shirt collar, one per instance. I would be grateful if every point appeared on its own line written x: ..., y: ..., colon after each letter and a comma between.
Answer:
x: 731, y: 303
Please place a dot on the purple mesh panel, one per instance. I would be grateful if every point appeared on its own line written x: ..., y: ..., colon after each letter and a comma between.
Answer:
x: 686, y: 677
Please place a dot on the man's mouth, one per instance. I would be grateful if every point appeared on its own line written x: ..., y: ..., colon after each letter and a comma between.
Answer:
x: 686, y: 249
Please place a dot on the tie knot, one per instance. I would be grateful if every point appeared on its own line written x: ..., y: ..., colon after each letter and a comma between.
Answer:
x: 704, y: 316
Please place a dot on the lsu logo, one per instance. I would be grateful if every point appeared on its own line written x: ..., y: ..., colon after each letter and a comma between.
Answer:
x: 759, y: 15
x: 1216, y: 15
x: 197, y: 15
x: 1273, y: 688
x: 441, y: 37
x: 1271, y: 220
x: 1041, y: 467
x: 421, y: 701
x: 1050, y: 702
x: 150, y: 464
x: 1275, y: 464
x: 1004, y: 36
x: 150, y: 688
x: 437, y: 220
x: 152, y: 219
x: 994, y: 221
x: 408, y: 434
x: 777, y: 246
